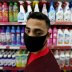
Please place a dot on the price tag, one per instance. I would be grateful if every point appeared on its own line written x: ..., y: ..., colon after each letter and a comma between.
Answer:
x: 1, y: 68
x: 2, y: 47
x: 14, y: 47
x: 24, y: 23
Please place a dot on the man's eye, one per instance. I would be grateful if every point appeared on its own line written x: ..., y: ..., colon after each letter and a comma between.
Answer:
x: 38, y: 33
x: 27, y: 30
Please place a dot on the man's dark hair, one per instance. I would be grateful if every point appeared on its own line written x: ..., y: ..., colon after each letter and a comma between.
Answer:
x: 39, y: 16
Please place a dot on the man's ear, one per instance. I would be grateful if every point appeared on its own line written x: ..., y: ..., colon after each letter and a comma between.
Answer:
x: 48, y: 35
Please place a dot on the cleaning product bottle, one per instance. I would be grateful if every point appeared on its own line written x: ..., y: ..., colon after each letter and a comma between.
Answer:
x: 60, y: 37
x: 0, y: 37
x: 36, y: 9
x: 22, y: 36
x: 3, y: 36
x: 5, y: 12
x: 67, y: 13
x: 62, y: 59
x: 8, y: 36
x: 49, y: 41
x: 18, y: 37
x: 59, y: 12
x: 70, y: 58
x: 55, y: 31
x: 13, y: 36
x: 0, y: 12
x: 1, y: 60
x: 10, y: 12
x: 29, y: 9
x: 52, y: 13
x: 44, y: 9
x: 71, y: 11
x: 15, y: 12
x: 66, y: 37
x: 67, y: 58
x: 71, y: 37
x: 21, y: 14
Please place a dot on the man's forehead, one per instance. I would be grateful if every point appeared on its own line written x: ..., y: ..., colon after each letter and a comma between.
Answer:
x: 36, y: 23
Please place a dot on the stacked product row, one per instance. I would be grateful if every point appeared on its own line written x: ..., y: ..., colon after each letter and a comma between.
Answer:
x: 13, y: 58
x: 12, y: 35
x: 63, y: 57
x: 60, y: 37
x: 10, y: 11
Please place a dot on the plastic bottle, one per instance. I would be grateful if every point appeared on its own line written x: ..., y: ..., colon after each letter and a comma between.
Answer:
x: 59, y: 12
x: 66, y: 37
x: 36, y: 9
x: 22, y: 36
x: 15, y: 12
x: 62, y: 59
x: 13, y: 37
x: 50, y: 39
x: 67, y: 13
x: 18, y: 36
x: 44, y: 9
x: 10, y: 12
x: 52, y: 13
x: 57, y: 56
x: 8, y: 36
x: 29, y: 9
x: 1, y: 60
x: 71, y: 37
x: 70, y: 58
x: 5, y: 12
x: 0, y: 37
x: 71, y: 11
x: 0, y: 12
x: 60, y: 37
x: 3, y: 36
x: 67, y: 58
x: 21, y: 14
x: 55, y: 31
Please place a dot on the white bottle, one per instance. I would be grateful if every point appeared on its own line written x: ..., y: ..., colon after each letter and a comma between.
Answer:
x: 52, y: 13
x: 67, y: 13
x: 44, y: 10
x: 67, y: 58
x: 1, y: 60
x: 29, y: 9
x: 66, y: 37
x: 57, y: 57
x: 62, y: 59
x: 59, y: 12
x: 36, y: 9
x: 71, y: 13
x: 71, y: 37
x: 70, y: 58
x: 21, y: 14
x: 60, y: 38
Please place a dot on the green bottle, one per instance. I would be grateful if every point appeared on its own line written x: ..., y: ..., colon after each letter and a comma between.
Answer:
x: 10, y: 12
x: 15, y: 12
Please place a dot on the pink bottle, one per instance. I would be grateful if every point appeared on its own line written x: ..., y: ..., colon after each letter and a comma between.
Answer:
x: 55, y: 36
x: 49, y: 41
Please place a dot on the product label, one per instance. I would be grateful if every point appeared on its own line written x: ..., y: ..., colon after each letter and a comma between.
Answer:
x: 67, y: 39
x: 60, y: 39
x: 22, y: 38
x: 59, y: 16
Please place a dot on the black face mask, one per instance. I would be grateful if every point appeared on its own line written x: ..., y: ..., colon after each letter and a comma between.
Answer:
x: 34, y: 44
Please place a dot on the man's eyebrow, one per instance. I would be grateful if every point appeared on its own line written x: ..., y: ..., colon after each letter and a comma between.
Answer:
x: 27, y: 27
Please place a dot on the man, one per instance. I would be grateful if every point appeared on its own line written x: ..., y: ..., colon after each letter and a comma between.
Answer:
x: 36, y: 34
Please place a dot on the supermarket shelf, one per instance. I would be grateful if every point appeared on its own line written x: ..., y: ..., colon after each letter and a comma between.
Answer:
x: 12, y: 47
x: 60, y: 47
x: 61, y: 23
x: 11, y: 23
x: 11, y: 68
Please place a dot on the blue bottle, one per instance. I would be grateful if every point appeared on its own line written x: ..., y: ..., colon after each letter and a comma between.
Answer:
x: 18, y: 36
x: 3, y: 37
x: 8, y: 36
x: 13, y: 36
x: 52, y: 13
x: 22, y: 36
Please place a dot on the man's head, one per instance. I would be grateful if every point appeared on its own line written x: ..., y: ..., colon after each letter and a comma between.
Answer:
x: 36, y: 31
x: 37, y: 24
